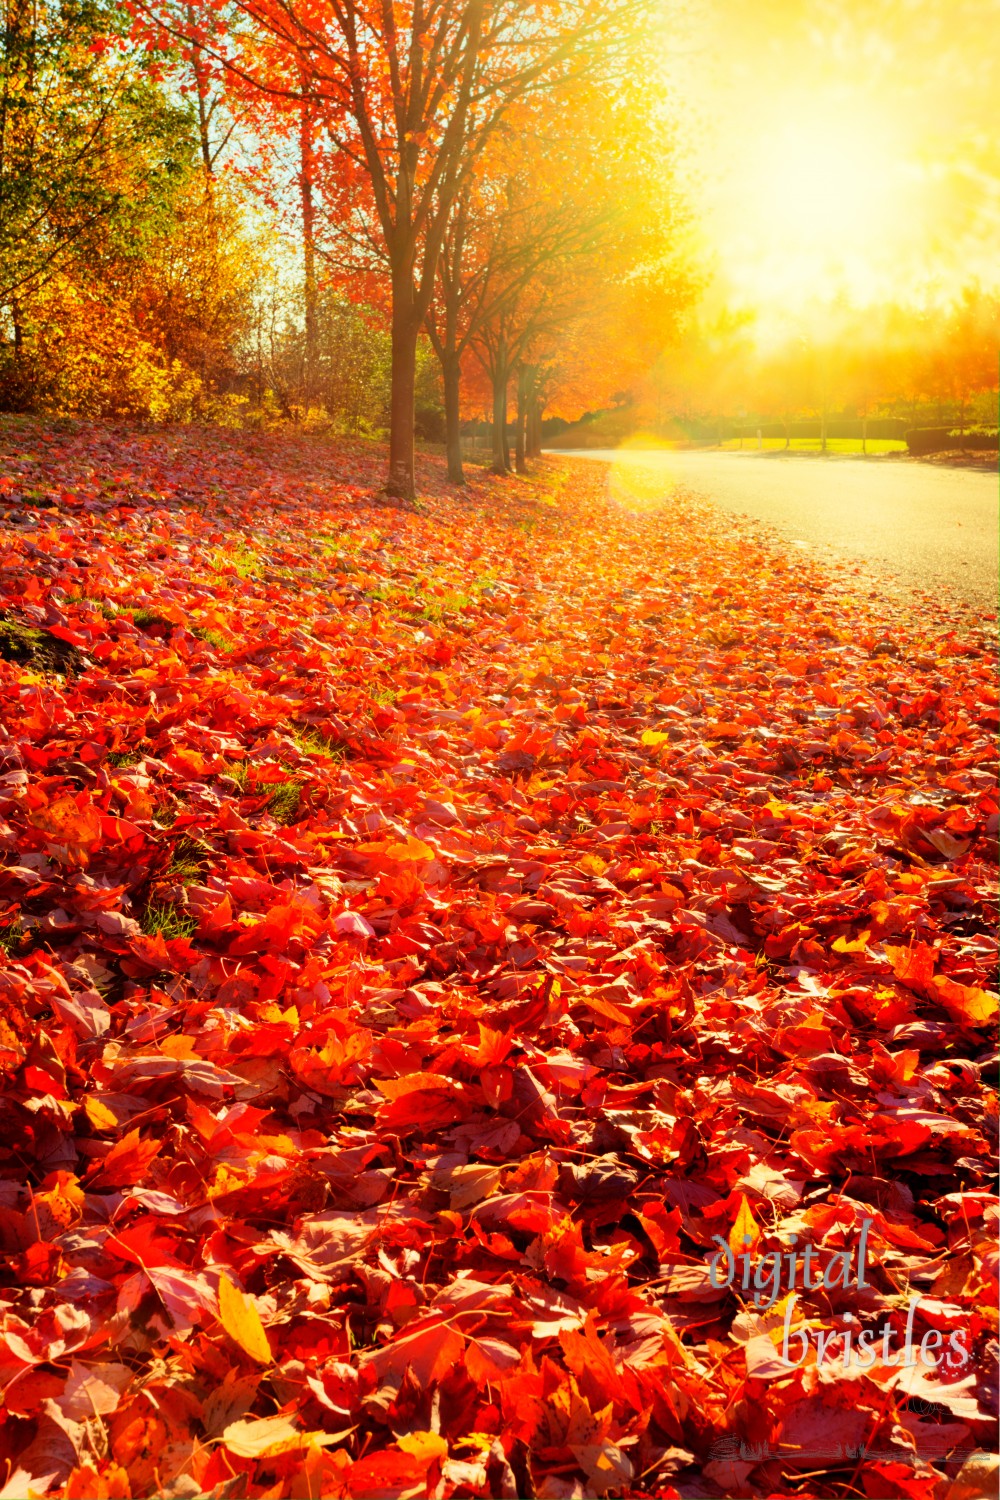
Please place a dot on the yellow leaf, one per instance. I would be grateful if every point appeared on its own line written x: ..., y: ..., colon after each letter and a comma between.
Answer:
x: 99, y: 1115
x: 423, y: 1446
x: 64, y: 1200
x: 241, y: 1320
x: 227, y: 1180
x: 844, y: 944
x: 593, y: 864
x: 654, y: 738
x: 260, y: 1437
x: 744, y: 1234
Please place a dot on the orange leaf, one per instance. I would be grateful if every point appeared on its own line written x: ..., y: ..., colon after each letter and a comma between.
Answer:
x: 396, y: 1088
x: 389, y: 1473
x: 966, y: 1002
x: 71, y: 822
x: 913, y: 967
x: 489, y: 1359
x: 431, y: 1351
x: 428, y: 1109
x: 605, y: 1008
x: 127, y: 1162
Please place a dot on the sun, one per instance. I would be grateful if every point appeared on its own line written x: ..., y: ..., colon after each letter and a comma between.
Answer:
x: 817, y: 205
x: 818, y: 187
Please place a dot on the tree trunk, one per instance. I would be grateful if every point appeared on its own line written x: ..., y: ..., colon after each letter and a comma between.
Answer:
x: 522, y: 418
x: 501, y: 452
x: 306, y: 182
x: 201, y: 85
x: 534, y: 442
x: 451, y: 371
x: 405, y: 329
x: 864, y: 434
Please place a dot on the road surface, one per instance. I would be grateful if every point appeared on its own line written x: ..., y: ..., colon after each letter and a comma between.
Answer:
x: 931, y: 529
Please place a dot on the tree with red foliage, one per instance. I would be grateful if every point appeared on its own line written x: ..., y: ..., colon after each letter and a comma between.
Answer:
x: 407, y: 97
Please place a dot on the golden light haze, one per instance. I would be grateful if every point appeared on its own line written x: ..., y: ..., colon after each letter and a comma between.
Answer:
x: 841, y: 150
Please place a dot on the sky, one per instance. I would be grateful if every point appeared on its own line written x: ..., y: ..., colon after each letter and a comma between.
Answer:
x: 840, y: 147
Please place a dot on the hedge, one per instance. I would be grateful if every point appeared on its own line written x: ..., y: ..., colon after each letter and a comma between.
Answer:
x: 922, y: 440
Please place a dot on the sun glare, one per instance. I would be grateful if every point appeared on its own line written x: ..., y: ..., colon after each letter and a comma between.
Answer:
x: 818, y: 186
x: 817, y: 205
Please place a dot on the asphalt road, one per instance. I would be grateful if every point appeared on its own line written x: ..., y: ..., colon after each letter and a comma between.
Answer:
x: 936, y: 530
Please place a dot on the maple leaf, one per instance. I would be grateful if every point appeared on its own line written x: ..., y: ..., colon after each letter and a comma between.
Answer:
x: 72, y: 824
x: 429, y: 1349
x: 127, y: 1161
x: 966, y: 1002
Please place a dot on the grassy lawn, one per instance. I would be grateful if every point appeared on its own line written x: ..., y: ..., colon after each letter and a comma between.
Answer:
x: 813, y: 445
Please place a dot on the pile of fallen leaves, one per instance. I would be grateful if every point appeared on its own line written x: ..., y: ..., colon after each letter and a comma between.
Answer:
x: 427, y: 937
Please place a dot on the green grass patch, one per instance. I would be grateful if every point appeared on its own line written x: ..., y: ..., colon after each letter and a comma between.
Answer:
x: 36, y: 649
x: 311, y: 742
x: 239, y: 771
x: 215, y: 639
x: 146, y: 619
x: 391, y: 592
x: 119, y: 759
x: 12, y: 935
x: 285, y: 802
x: 167, y: 813
x: 168, y: 920
x: 438, y: 607
x: 434, y: 608
x: 243, y: 561
x: 188, y: 860
x: 814, y: 445
x: 339, y: 541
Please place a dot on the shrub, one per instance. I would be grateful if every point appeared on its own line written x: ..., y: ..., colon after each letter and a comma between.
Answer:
x: 86, y: 359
